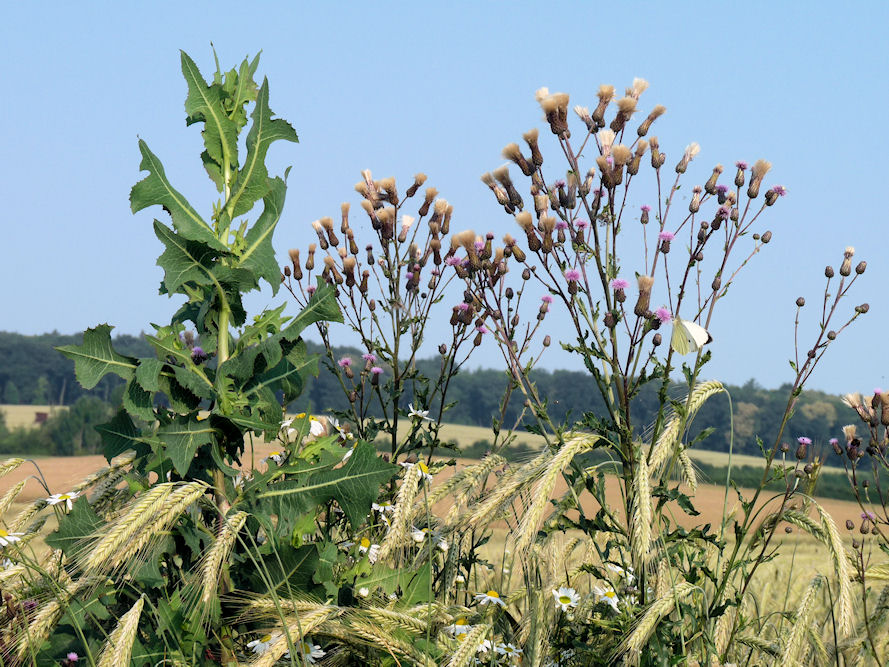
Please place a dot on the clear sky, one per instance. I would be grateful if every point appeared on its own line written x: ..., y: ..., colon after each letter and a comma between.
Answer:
x: 441, y: 88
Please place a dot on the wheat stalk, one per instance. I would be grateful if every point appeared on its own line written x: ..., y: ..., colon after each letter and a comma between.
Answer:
x: 10, y: 496
x: 9, y: 465
x: 116, y: 465
x: 794, y: 644
x: 297, y: 629
x: 401, y: 518
x: 633, y: 644
x: 119, y: 647
x: 669, y: 437
x: 466, y: 651
x: 22, y: 517
x: 841, y: 566
x: 40, y: 626
x: 641, y: 528
x: 508, y: 487
x: 390, y: 643
x: 211, y: 569
x: 544, y: 488
x: 467, y: 478
x: 688, y: 470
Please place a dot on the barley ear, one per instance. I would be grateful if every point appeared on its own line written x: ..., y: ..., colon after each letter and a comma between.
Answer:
x: 633, y: 645
x: 401, y: 518
x: 10, y: 496
x: 542, y: 492
x: 119, y: 647
x: 9, y: 465
x: 688, y: 470
x: 465, y: 652
x: 211, y: 570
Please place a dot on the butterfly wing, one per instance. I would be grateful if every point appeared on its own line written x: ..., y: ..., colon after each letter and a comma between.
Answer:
x: 679, y: 341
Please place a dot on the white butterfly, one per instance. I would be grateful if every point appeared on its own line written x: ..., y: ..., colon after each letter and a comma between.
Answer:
x: 688, y: 336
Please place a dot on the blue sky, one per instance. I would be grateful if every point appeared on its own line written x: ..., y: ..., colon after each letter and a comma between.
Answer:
x: 441, y: 88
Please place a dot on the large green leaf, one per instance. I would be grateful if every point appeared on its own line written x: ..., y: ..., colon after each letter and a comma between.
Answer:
x: 354, y: 486
x: 183, y: 260
x: 155, y: 189
x: 75, y: 528
x: 252, y: 183
x: 259, y: 255
x: 95, y: 358
x: 182, y: 439
x: 322, y: 307
x: 120, y: 435
x: 204, y: 104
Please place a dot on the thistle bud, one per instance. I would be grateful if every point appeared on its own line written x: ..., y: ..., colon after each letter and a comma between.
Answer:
x: 862, y: 309
x: 419, y: 179
x: 530, y: 138
x: 710, y: 185
x: 846, y: 267
x: 609, y: 320
x: 513, y: 153
x: 767, y: 236
x: 716, y: 284
x: 695, y: 204
x: 657, y: 340
x: 801, y: 451
x: 526, y: 274
x: 372, y: 305
x: 860, y: 268
x: 849, y: 524
x: 310, y: 260
x: 740, y: 175
x: 800, y: 302
x: 657, y: 158
x: 547, y: 341
x: 644, y: 283
x: 626, y: 107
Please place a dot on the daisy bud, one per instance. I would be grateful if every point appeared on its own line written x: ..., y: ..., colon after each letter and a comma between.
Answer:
x: 846, y: 267
x: 739, y: 175
x: 431, y: 193
x: 530, y: 138
x: 690, y: 152
x: 860, y: 268
x: 695, y: 204
x: 419, y: 179
x: 644, y: 283
x: 658, y: 111
x: 710, y: 185
x: 319, y: 230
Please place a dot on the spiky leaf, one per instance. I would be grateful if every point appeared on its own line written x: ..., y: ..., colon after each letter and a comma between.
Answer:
x: 95, y: 358
x: 181, y: 440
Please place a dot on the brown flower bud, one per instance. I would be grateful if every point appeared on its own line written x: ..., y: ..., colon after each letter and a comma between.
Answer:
x: 860, y: 268
x: 800, y: 302
x: 862, y: 309
x: 431, y: 193
x: 547, y: 341
x: 828, y: 272
x: 831, y: 335
x: 849, y: 524
x: 419, y: 179
x: 710, y: 185
x: 657, y: 340
x: 609, y: 320
x: 767, y: 236
x: 644, y: 283
x: 530, y: 138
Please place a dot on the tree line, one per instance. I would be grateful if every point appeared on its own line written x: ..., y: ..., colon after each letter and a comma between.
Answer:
x: 32, y: 372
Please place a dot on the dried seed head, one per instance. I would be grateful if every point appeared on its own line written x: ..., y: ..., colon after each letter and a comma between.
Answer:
x: 690, y: 152
x: 584, y: 114
x: 344, y: 210
x: 621, y: 154
x: 605, y: 95
x: 639, y: 87
x: 525, y: 221
x: 431, y: 193
x: 513, y: 153
x: 530, y: 138
x: 388, y: 184
x: 419, y: 179
x: 310, y: 260
x: 555, y: 110
x: 757, y: 173
x: 644, y: 283
x: 658, y: 111
x: 606, y: 141
x: 626, y: 107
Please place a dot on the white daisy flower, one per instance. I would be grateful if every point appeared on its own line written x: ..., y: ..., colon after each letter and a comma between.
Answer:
x: 566, y: 598
x: 261, y: 645
x: 459, y: 627
x: 424, y: 469
x: 383, y: 507
x: 316, y: 426
x: 334, y: 423
x: 608, y: 596
x: 372, y: 550
x: 422, y: 415
x: 6, y: 564
x: 8, y: 538
x: 508, y: 650
x: 364, y: 591
x: 626, y: 574
x: 420, y: 534
x: 484, y: 646
x: 310, y: 651
x: 491, y: 596
x: 67, y: 498
x: 276, y: 456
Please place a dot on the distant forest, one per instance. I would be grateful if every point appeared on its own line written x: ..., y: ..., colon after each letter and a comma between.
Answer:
x: 32, y: 372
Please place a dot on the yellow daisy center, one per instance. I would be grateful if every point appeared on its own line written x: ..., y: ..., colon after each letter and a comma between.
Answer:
x: 610, y: 594
x: 64, y: 496
x: 365, y: 542
x: 265, y: 638
x: 423, y: 467
x: 461, y: 621
x: 3, y: 533
x: 493, y: 594
x: 565, y: 599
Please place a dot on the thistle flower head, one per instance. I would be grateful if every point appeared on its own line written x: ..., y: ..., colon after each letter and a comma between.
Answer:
x: 664, y: 315
x: 344, y: 362
x: 740, y: 164
x: 666, y: 236
x: 619, y: 283
x: 572, y: 275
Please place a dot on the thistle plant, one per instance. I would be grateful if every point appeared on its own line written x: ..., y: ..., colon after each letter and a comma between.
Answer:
x: 572, y: 247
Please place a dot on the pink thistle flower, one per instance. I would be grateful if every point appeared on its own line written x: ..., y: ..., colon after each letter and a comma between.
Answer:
x: 452, y: 260
x: 310, y: 289
x: 646, y: 208
x: 740, y: 164
x: 376, y: 370
x: 779, y: 190
x: 804, y: 440
x: 369, y: 357
x: 664, y: 315
x: 559, y: 184
x: 572, y: 275
x: 666, y: 236
x: 546, y: 298
x: 409, y: 275
x: 561, y: 224
x: 723, y: 211
x: 582, y: 224
x: 345, y: 361
x: 878, y: 391
x: 619, y: 283
x: 479, y: 246
x: 463, y: 307
x: 834, y: 441
x: 482, y: 329
x: 722, y: 189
